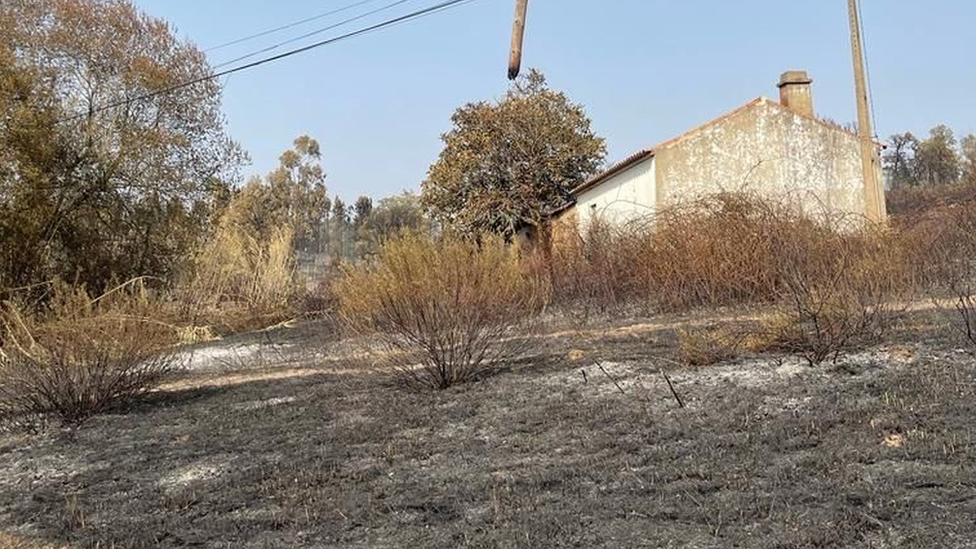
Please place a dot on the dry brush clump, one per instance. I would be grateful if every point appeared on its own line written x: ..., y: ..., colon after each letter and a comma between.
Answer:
x: 82, y: 356
x: 834, y: 282
x: 442, y: 311
x: 841, y: 287
x: 719, y: 250
x: 942, y: 241
x: 716, y: 251
x: 590, y: 273
x: 241, y: 280
x: 708, y: 345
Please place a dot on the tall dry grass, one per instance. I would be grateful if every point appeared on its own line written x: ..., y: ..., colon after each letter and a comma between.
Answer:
x: 442, y: 311
x: 241, y: 281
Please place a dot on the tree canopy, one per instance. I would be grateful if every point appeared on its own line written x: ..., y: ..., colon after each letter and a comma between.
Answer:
x: 938, y: 160
x: 506, y: 163
x: 86, y: 192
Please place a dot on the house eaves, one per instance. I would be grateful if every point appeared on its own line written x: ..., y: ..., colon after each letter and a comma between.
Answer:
x: 644, y: 154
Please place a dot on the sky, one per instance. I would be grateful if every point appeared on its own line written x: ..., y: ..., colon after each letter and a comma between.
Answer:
x: 645, y: 70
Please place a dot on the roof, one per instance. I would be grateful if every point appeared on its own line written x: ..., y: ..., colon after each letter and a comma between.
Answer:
x: 644, y: 154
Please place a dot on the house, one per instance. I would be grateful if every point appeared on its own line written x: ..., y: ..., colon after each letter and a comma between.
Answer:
x: 775, y: 149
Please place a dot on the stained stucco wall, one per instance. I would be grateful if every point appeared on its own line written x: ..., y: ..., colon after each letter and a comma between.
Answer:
x: 766, y: 149
x: 626, y: 196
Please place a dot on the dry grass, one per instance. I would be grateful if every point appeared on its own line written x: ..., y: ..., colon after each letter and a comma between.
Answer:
x: 705, y: 346
x: 444, y: 310
x: 240, y: 281
x: 832, y: 281
x: 11, y: 541
x: 82, y: 356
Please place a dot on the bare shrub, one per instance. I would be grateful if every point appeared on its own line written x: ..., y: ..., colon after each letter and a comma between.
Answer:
x: 910, y: 202
x: 241, y: 281
x: 720, y: 250
x: 840, y: 289
x: 716, y: 251
x: 82, y: 356
x: 943, y: 246
x: 834, y: 281
x: 442, y: 311
x: 591, y: 273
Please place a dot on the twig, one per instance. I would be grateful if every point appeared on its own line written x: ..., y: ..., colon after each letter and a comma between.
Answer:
x: 121, y: 287
x: 671, y: 386
x: 606, y: 373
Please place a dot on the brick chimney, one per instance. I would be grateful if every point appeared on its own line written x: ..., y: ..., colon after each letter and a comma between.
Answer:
x: 795, y: 92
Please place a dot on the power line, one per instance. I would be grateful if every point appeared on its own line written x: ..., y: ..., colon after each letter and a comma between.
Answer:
x: 288, y: 26
x: 443, y: 6
x: 310, y: 34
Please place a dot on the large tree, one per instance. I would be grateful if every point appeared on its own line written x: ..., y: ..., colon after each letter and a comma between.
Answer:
x: 89, y: 192
x: 292, y: 196
x: 937, y: 159
x: 900, y: 160
x: 506, y: 163
x: 390, y: 217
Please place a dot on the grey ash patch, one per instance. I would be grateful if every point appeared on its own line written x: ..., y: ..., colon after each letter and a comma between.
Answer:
x: 767, y: 453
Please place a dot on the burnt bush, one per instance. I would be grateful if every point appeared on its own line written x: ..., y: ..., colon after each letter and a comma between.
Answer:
x: 834, y: 282
x: 441, y: 311
x: 943, y: 244
x: 81, y: 357
x: 839, y: 291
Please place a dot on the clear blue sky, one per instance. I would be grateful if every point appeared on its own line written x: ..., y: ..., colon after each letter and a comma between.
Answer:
x: 645, y: 70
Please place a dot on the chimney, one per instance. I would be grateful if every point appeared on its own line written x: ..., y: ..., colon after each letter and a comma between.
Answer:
x: 795, y: 92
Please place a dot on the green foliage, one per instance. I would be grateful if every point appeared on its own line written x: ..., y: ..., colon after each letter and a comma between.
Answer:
x: 505, y: 164
x: 362, y: 210
x: 968, y: 145
x: 937, y: 161
x: 937, y: 158
x: 291, y: 197
x: 392, y: 216
x: 899, y: 160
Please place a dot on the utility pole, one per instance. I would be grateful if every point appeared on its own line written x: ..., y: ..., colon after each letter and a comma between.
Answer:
x: 518, y: 34
x: 870, y: 158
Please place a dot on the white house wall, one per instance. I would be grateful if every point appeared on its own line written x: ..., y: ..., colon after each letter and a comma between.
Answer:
x: 627, y: 196
x: 768, y: 150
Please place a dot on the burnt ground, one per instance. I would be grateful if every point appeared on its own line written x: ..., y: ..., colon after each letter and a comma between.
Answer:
x: 300, y: 451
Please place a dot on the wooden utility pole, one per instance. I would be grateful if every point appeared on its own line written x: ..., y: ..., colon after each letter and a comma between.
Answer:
x: 870, y: 158
x: 518, y: 34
